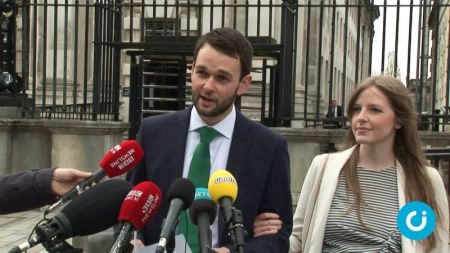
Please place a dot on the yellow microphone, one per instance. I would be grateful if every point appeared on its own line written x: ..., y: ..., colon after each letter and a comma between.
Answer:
x: 223, y: 189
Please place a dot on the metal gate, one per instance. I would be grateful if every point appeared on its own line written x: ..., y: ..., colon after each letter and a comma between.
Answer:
x: 161, y: 83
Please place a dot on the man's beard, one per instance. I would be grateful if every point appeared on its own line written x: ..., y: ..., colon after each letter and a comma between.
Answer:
x: 218, y: 110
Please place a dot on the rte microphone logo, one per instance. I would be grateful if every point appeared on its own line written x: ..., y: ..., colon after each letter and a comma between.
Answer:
x: 416, y: 220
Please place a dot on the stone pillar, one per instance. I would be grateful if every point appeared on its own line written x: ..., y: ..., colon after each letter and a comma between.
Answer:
x: 60, y: 47
x: 31, y: 145
x: 11, y: 109
x: 5, y: 146
x: 34, y: 143
x: 82, y: 145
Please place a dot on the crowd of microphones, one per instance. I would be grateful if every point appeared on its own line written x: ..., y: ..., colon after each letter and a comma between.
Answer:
x: 88, y: 209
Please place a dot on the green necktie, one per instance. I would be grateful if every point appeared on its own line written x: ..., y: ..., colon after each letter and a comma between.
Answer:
x: 199, y: 171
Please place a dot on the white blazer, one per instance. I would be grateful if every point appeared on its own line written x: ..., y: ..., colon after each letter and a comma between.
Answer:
x: 309, y: 222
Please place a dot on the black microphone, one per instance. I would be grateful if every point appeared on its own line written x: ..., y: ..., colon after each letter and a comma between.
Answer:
x: 203, y: 213
x: 180, y: 195
x: 94, y: 211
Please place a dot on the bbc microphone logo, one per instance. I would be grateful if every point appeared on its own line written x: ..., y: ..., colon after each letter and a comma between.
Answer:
x: 416, y: 220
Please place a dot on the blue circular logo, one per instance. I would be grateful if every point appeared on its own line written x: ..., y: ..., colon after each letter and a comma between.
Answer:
x: 416, y: 220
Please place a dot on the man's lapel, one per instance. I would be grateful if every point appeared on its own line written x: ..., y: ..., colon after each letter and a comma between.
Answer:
x: 239, y: 145
x: 178, y: 130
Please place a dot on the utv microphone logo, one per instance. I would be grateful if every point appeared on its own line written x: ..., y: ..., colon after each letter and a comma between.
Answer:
x: 416, y: 220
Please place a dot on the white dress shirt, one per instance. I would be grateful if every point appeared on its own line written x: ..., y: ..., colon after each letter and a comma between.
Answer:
x: 219, y: 149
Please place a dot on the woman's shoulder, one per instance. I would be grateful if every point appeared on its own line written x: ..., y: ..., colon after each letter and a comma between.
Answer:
x: 339, y: 157
x: 433, y: 174
x: 343, y: 154
x: 320, y: 157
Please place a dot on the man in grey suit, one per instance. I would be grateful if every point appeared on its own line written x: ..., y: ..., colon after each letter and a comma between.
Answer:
x: 255, y: 155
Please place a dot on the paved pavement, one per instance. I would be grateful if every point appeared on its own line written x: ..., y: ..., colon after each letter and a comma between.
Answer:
x: 15, y: 229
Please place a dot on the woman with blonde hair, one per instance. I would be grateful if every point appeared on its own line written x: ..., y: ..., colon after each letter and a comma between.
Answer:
x: 350, y: 200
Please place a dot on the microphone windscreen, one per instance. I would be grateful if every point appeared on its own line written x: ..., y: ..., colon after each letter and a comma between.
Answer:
x: 141, y: 204
x: 222, y: 184
x: 183, y: 189
x: 202, y: 203
x: 122, y: 158
x: 96, y: 209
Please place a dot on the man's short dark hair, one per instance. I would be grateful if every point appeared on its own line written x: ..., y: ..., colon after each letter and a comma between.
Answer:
x: 230, y: 42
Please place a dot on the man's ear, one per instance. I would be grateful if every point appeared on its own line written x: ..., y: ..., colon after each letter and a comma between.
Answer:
x: 244, y: 84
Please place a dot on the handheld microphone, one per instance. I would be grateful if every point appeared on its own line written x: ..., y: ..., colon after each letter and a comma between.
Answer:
x: 94, y: 211
x: 203, y: 213
x: 223, y: 189
x: 119, y: 160
x: 180, y: 195
x: 138, y: 208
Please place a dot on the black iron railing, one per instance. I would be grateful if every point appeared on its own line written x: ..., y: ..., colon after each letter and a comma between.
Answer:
x: 74, y: 57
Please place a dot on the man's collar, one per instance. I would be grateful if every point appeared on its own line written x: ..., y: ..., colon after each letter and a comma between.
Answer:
x: 224, y: 127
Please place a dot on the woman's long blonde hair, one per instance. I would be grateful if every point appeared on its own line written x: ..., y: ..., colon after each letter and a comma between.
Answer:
x: 407, y: 149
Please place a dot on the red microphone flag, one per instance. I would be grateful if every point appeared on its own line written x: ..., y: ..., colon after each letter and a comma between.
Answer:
x: 122, y: 158
x: 141, y: 204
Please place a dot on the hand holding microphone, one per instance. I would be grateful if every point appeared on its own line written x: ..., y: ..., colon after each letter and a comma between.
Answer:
x: 139, y: 207
x: 119, y: 160
x: 64, y: 179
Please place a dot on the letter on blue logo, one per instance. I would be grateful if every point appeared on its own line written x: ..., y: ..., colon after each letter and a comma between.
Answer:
x: 416, y: 220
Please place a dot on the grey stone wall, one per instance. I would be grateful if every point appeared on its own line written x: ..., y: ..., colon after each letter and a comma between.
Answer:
x: 32, y: 143
x: 35, y: 143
